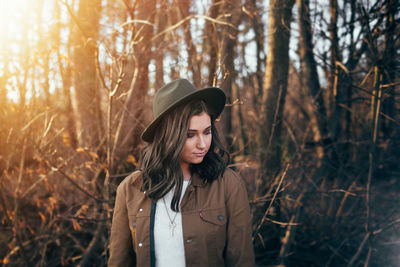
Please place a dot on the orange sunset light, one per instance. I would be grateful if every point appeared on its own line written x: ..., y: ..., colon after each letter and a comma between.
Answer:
x: 26, y: 30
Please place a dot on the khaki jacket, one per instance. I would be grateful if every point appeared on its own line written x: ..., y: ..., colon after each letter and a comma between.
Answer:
x: 216, y: 223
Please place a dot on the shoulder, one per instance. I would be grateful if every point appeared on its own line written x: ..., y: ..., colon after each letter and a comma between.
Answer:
x: 234, y: 187
x: 231, y: 178
x: 134, y: 179
x: 231, y: 174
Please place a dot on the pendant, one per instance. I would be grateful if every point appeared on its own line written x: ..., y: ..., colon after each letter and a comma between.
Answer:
x: 172, y: 226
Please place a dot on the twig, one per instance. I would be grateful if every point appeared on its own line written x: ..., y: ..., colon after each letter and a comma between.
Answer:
x: 33, y: 186
x: 272, y: 201
x: 342, y: 191
x: 32, y: 121
x: 76, y: 241
x: 24, y: 244
x: 17, y: 200
x: 342, y: 202
x: 290, y: 223
x: 173, y: 27
x: 136, y: 21
x: 49, y: 163
x: 48, y: 126
x: 386, y: 226
x: 336, y: 251
x: 21, y: 169
x: 374, y: 140
x: 360, y: 248
x: 92, y: 246
x: 125, y: 107
x: 289, y: 235
x: 75, y: 19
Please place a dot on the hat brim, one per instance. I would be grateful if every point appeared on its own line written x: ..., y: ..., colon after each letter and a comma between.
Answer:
x: 214, y: 98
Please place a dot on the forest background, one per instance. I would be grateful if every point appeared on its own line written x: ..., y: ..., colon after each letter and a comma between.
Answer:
x: 312, y: 120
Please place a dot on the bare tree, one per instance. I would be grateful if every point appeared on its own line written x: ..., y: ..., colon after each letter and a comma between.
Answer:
x: 66, y: 77
x: 390, y: 60
x: 211, y: 42
x: 274, y: 91
x: 85, y: 35
x: 193, y: 57
x: 131, y: 123
x: 232, y: 9
x: 309, y: 74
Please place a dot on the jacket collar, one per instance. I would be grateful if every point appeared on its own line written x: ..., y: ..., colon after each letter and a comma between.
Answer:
x: 196, y: 180
x: 137, y: 179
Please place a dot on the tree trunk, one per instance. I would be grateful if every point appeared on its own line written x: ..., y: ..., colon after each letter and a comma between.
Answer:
x: 193, y: 62
x: 348, y: 85
x: 389, y: 103
x: 68, y: 109
x: 273, y: 101
x: 22, y: 83
x: 258, y: 28
x: 335, y: 83
x: 85, y: 35
x: 211, y: 40
x: 240, y: 127
x: 3, y: 82
x: 275, y: 83
x: 45, y: 55
x: 161, y: 21
x: 132, y: 123
x: 309, y: 74
x: 229, y: 42
x: 65, y: 73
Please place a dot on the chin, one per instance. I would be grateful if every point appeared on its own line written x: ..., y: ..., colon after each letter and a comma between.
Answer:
x: 197, y: 161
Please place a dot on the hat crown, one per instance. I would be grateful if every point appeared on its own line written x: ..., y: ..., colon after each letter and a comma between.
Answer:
x: 179, y: 92
x: 170, y: 94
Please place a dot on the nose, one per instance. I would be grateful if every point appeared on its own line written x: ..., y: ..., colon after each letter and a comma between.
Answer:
x: 201, y: 143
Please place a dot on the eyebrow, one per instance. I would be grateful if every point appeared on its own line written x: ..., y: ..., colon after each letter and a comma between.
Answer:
x: 192, y: 130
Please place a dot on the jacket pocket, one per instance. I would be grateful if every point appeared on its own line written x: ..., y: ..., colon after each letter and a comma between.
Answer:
x: 214, y: 216
x: 214, y: 223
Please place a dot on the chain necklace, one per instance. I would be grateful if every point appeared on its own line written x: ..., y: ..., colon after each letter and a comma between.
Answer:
x: 172, y: 223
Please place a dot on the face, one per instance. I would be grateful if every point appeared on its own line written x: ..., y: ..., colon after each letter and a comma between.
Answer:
x: 198, y: 140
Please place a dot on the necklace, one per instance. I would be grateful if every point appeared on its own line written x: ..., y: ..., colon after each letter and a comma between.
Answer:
x: 172, y: 223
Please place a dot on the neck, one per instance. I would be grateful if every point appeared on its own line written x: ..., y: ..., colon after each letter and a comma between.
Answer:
x: 185, y: 171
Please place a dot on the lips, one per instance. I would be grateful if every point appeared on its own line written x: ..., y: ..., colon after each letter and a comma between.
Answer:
x: 200, y: 154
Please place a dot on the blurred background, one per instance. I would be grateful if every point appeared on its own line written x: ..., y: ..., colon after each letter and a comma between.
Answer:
x: 312, y: 120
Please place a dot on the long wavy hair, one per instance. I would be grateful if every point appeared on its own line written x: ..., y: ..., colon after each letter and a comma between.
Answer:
x: 160, y: 159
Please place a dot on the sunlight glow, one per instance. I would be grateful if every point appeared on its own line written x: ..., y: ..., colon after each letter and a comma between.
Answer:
x: 13, y: 14
x: 22, y: 24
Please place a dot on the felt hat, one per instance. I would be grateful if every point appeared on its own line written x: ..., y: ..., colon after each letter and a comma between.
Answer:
x: 178, y: 92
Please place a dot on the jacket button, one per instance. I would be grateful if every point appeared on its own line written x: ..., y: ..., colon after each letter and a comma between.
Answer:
x: 140, y: 245
x: 140, y: 210
x: 189, y: 241
x: 220, y: 217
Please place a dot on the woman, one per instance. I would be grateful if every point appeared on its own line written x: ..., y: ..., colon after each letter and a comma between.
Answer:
x: 184, y: 207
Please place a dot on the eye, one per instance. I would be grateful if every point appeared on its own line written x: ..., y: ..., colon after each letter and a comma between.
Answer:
x: 190, y: 135
x: 207, y: 132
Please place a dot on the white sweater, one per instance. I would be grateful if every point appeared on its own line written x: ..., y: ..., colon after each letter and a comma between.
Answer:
x: 169, y: 249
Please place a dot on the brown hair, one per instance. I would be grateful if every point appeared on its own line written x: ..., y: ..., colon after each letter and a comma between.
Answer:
x: 160, y: 159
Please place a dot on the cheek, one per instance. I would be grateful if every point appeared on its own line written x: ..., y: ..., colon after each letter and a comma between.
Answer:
x: 188, y: 146
x: 209, y: 139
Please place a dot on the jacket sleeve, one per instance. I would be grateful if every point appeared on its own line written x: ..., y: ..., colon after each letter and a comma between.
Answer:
x: 239, y: 247
x: 121, y: 248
